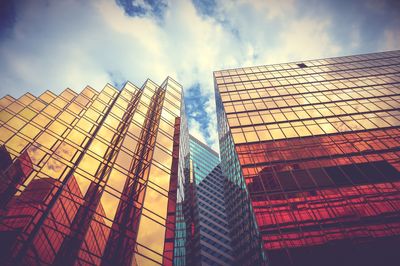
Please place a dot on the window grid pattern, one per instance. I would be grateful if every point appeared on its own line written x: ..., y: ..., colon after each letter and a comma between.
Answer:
x: 55, y: 146
x: 212, y: 242
x: 318, y: 147
x: 244, y: 233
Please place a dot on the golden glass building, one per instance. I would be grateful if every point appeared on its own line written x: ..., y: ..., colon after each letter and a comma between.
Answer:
x: 92, y: 178
x: 312, y: 151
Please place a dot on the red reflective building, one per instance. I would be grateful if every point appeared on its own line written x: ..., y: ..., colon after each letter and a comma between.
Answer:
x: 21, y: 213
x: 317, y: 144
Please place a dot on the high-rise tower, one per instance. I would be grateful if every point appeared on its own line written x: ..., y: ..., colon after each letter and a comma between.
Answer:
x: 211, y: 238
x: 312, y: 150
x: 92, y: 178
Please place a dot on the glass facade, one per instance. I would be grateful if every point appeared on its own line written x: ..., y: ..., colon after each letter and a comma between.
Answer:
x: 212, y: 244
x: 316, y: 146
x: 93, y: 178
x: 183, y: 221
x: 244, y: 233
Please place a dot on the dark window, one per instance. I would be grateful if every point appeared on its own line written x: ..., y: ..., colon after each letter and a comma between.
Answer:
x: 320, y: 177
x: 302, y: 65
x: 337, y: 176
x: 287, y: 182
x: 303, y: 179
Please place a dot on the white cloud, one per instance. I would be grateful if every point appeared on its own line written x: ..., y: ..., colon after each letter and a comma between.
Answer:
x: 304, y: 38
x: 196, y: 130
x: 391, y: 39
x: 75, y: 43
x: 212, y: 125
x: 273, y: 9
x: 355, y: 36
x: 141, y: 4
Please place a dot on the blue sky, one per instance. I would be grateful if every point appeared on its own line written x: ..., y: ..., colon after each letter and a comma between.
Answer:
x: 73, y: 43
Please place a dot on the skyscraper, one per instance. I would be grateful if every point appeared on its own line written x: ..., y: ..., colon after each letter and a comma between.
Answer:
x: 211, y: 236
x: 313, y: 150
x: 93, y: 178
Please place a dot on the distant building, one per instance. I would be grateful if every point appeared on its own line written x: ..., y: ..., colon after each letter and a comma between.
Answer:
x: 212, y: 243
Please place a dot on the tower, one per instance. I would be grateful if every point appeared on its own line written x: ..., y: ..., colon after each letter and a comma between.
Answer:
x: 93, y: 175
x: 313, y: 147
x: 212, y: 243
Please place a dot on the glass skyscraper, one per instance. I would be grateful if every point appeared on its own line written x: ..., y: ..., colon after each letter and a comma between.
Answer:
x: 211, y: 236
x: 94, y: 178
x: 309, y: 171
x: 312, y: 151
